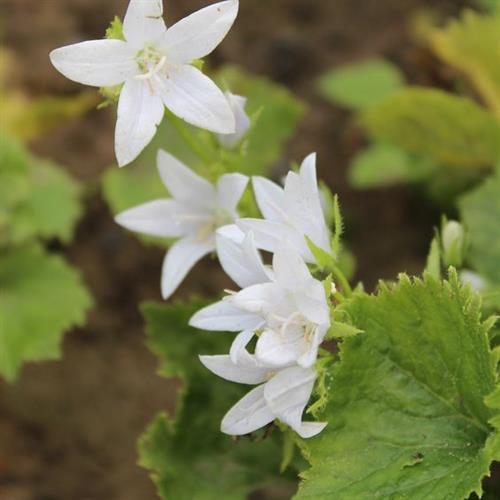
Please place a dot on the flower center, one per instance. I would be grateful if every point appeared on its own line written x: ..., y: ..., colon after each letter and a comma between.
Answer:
x: 220, y: 217
x: 150, y: 62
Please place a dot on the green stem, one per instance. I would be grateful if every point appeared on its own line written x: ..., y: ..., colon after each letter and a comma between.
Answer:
x: 341, y: 279
x: 188, y: 138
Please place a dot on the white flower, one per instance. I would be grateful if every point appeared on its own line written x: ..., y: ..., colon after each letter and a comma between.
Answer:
x: 290, y: 213
x: 289, y: 307
x: 242, y: 121
x: 154, y: 63
x: 193, y: 214
x: 282, y: 395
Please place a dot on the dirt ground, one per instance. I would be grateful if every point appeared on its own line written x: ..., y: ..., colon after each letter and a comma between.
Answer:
x: 68, y: 429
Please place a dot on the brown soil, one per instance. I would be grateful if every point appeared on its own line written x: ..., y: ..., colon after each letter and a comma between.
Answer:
x: 68, y: 429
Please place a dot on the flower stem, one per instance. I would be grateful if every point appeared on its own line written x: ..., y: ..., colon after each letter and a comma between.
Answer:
x: 188, y: 138
x: 342, y: 280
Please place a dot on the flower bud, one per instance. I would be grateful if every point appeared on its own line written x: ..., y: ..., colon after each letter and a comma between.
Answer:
x: 242, y: 121
x: 453, y: 242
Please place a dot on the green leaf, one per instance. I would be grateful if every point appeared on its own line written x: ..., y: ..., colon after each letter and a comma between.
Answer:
x: 383, y: 164
x: 443, y: 127
x: 472, y: 44
x: 277, y: 113
x: 52, y: 208
x: 189, y: 458
x: 41, y: 296
x: 406, y: 416
x: 361, y: 85
x: 37, y: 199
x: 480, y: 211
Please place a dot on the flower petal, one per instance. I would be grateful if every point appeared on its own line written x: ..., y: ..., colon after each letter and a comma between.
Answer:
x: 180, y: 258
x: 259, y: 299
x: 231, y: 232
x: 197, y: 35
x: 308, y: 358
x: 280, y: 349
x: 248, y: 414
x: 230, y: 188
x: 310, y: 429
x: 303, y: 203
x: 182, y: 183
x: 241, y: 262
x: 288, y: 393
x: 289, y: 268
x: 223, y: 316
x: 269, y: 235
x: 243, y: 372
x: 312, y: 303
x: 242, y: 122
x: 192, y: 96
x: 270, y: 199
x: 100, y: 63
x: 143, y: 22
x: 238, y: 347
x: 139, y: 113
x: 164, y: 218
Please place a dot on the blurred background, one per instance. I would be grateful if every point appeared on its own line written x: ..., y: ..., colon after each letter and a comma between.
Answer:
x: 68, y: 429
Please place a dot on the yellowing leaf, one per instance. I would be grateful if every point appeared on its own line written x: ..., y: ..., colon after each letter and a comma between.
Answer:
x: 472, y: 44
x: 26, y: 118
x: 443, y: 127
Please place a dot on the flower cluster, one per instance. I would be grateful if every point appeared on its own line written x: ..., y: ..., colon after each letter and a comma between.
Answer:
x: 285, y: 306
x: 282, y: 305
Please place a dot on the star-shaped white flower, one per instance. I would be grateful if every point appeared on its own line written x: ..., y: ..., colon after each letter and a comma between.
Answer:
x: 290, y: 213
x: 288, y: 306
x: 154, y: 63
x: 242, y: 121
x: 193, y: 214
x: 281, y: 395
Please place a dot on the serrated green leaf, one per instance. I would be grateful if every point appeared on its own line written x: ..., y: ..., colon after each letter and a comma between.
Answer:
x: 472, y: 44
x: 385, y: 165
x: 361, y: 85
x: 41, y: 296
x: 52, y: 207
x: 406, y: 416
x: 443, y: 127
x: 189, y: 458
x: 480, y: 211
x: 339, y: 330
x: 37, y: 199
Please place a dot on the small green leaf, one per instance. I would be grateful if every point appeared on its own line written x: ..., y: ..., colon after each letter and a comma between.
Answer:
x: 472, y: 44
x: 339, y: 330
x: 115, y: 30
x: 385, y: 165
x: 406, y: 413
x: 361, y: 85
x: 189, y: 457
x: 41, y: 296
x: 433, y: 265
x: 443, y: 127
x: 480, y: 211
x: 323, y: 259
